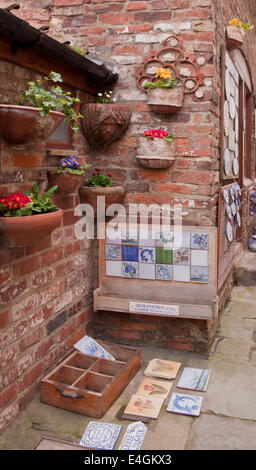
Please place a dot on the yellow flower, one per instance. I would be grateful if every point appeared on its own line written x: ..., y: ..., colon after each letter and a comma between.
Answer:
x: 233, y: 22
x: 163, y: 73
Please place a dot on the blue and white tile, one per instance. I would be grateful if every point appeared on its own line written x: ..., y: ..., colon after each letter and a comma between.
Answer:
x: 91, y: 347
x: 199, y: 240
x: 100, y: 435
x: 199, y: 274
x: 113, y: 252
x: 130, y: 235
x: 185, y: 404
x: 181, y: 273
x: 164, y: 272
x: 181, y: 239
x: 147, y: 271
x: 147, y: 254
x: 181, y: 256
x: 133, y: 437
x: 164, y: 239
x: 199, y: 257
x: 113, y: 268
x: 130, y: 270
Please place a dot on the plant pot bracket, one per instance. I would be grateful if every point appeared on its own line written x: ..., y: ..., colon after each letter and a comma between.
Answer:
x: 191, y: 78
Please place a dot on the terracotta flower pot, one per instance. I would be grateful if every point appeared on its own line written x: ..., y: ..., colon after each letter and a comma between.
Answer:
x: 155, y: 153
x: 66, y: 182
x: 165, y: 101
x: 27, y: 230
x: 104, y: 123
x: 113, y: 195
x: 235, y: 37
x: 21, y: 124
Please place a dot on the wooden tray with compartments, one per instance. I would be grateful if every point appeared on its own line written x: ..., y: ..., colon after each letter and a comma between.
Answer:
x: 89, y: 385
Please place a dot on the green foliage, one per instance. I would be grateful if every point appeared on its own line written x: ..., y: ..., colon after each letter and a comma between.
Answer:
x: 74, y: 171
x: 99, y: 178
x: 39, y: 204
x: 169, y: 83
x: 77, y: 49
x: 54, y: 99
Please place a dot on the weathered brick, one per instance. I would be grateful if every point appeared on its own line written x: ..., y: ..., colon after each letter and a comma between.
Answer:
x: 26, y: 160
x: 51, y: 256
x: 26, y: 266
x: 14, y: 291
x: 30, y: 377
x: 8, y: 415
x: 5, y: 275
x: 24, y: 306
x: 8, y: 395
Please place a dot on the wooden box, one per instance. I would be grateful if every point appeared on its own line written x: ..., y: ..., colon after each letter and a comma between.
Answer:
x: 89, y: 385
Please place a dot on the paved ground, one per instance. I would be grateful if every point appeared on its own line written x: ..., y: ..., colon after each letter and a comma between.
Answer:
x: 228, y: 416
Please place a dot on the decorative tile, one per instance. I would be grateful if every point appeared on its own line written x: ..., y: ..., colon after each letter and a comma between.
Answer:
x: 147, y: 407
x: 100, y: 435
x: 130, y: 252
x: 134, y: 436
x: 157, y: 388
x: 194, y: 379
x: 164, y: 272
x: 113, y: 252
x: 181, y: 239
x: 147, y: 271
x: 113, y: 268
x: 163, y: 256
x: 181, y: 273
x: 181, y: 256
x: 113, y: 236
x: 130, y: 270
x: 147, y: 255
x: 91, y: 347
x: 199, y: 257
x: 199, y: 240
x: 199, y: 274
x: 185, y: 404
x: 146, y: 238
x: 164, y: 239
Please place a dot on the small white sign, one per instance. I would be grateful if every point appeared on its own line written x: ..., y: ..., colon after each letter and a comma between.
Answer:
x: 154, y: 309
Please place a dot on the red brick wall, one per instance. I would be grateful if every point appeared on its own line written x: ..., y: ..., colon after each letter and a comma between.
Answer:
x: 45, y: 288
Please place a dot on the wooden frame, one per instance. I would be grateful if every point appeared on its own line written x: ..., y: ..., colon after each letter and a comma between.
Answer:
x: 188, y: 299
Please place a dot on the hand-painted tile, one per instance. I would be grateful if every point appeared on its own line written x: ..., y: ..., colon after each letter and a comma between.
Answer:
x: 147, y: 271
x: 147, y: 255
x: 199, y: 274
x: 181, y: 273
x: 113, y: 252
x: 163, y: 256
x: 164, y: 239
x: 130, y: 252
x: 134, y: 436
x: 199, y: 240
x: 185, y: 404
x: 181, y: 256
x: 164, y: 272
x: 130, y: 236
x: 113, y: 268
x: 100, y: 435
x: 113, y: 236
x: 199, y: 257
x: 91, y: 347
x: 130, y: 270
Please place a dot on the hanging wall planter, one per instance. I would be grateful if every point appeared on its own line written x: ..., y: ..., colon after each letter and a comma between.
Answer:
x: 21, y: 124
x: 46, y: 110
x: 25, y: 220
x: 100, y: 184
x: 167, y: 101
x: 105, y: 122
x: 235, y: 33
x: 156, y: 149
x: 68, y: 176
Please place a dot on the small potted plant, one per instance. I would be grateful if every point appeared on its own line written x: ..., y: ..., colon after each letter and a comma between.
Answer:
x: 235, y: 33
x: 69, y: 175
x: 105, y: 120
x: 101, y: 184
x: 27, y: 219
x: 156, y: 148
x: 46, y: 109
x: 164, y: 97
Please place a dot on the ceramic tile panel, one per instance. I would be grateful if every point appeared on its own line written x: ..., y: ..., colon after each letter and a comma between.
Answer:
x: 181, y: 273
x: 199, y: 240
x: 147, y: 254
x: 130, y: 253
x: 164, y: 256
x: 181, y: 239
x: 113, y: 268
x: 199, y: 274
x: 147, y: 271
x: 181, y: 256
x: 147, y: 238
x: 164, y: 272
x: 130, y: 270
x: 113, y: 236
x: 113, y: 252
x: 164, y: 239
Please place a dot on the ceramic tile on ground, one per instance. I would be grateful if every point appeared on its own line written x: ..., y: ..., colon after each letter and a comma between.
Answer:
x: 185, y: 404
x: 100, y: 435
